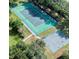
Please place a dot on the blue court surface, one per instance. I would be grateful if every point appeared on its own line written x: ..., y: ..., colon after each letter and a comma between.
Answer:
x: 36, y: 19
x: 54, y: 41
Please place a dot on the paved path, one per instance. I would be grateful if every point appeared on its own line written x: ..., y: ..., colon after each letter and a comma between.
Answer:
x: 38, y: 37
x: 27, y: 37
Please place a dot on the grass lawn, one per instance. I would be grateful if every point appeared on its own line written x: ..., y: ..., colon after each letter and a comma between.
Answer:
x: 66, y: 49
x: 13, y: 40
x: 26, y: 32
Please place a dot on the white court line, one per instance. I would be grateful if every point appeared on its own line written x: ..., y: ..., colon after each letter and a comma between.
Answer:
x: 27, y: 37
x: 38, y: 37
x: 29, y: 29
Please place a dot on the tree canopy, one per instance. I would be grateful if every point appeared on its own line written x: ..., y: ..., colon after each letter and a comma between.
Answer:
x: 23, y: 51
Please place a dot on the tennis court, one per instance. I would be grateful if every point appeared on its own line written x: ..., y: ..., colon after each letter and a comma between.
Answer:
x: 36, y: 19
x: 54, y: 41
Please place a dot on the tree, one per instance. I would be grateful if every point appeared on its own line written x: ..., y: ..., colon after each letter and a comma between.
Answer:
x: 43, y: 2
x: 23, y: 51
x: 15, y: 27
x: 65, y: 55
x: 12, y: 3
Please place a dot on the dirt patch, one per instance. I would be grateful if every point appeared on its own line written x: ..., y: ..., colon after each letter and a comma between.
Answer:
x: 49, y: 54
x: 59, y: 53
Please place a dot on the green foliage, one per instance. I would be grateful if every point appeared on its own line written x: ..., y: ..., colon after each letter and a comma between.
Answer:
x: 23, y: 51
x: 15, y: 26
x: 64, y: 27
x: 47, y: 2
x: 15, y: 23
x: 12, y: 3
x: 64, y: 56
x: 13, y: 40
x: 56, y: 7
x: 43, y: 2
x: 62, y: 8
x: 40, y: 43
